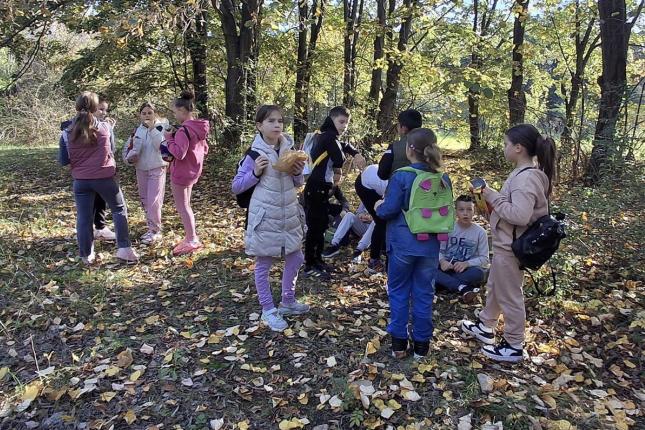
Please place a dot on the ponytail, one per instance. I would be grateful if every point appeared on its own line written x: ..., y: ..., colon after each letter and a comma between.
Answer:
x: 423, y: 142
x: 537, y: 146
x: 546, y: 156
x: 186, y: 100
x: 84, y: 128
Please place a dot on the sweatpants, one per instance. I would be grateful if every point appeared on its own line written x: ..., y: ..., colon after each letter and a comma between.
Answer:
x: 505, y: 296
x: 152, y: 188
x: 182, y: 194
x: 351, y: 224
x: 451, y: 280
x: 410, y: 282
x: 316, y: 197
x: 369, y: 198
x: 85, y: 191
x: 292, y: 263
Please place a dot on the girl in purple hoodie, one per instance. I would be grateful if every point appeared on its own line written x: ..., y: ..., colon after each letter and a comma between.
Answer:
x: 187, y: 145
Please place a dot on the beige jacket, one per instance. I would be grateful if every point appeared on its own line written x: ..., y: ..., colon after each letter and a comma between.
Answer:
x: 520, y: 202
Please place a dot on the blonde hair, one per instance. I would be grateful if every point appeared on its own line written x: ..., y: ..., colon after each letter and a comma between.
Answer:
x: 84, y: 129
x: 423, y: 142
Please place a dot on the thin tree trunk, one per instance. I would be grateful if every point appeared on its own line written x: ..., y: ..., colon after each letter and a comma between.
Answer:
x: 379, y: 52
x: 352, y: 12
x: 197, y: 46
x: 516, y: 95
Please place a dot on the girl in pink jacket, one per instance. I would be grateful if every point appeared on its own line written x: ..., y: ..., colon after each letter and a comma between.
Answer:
x: 187, y: 146
x: 521, y: 201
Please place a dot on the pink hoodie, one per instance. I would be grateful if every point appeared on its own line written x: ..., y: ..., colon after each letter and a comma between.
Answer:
x: 189, y: 152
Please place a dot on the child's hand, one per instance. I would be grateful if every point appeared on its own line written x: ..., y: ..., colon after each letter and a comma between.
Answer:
x: 460, y: 266
x: 260, y: 164
x: 132, y: 157
x: 297, y: 168
x: 378, y: 203
x: 445, y: 265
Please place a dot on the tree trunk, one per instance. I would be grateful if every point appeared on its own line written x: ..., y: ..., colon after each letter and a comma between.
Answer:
x: 239, y: 50
x: 385, y: 119
x: 352, y: 11
x: 614, y: 35
x: 197, y: 46
x: 516, y: 95
x: 377, y: 68
x: 306, y: 50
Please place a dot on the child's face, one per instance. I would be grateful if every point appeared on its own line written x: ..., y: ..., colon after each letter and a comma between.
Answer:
x: 101, y: 112
x: 401, y: 129
x: 147, y: 116
x: 341, y: 122
x: 181, y: 113
x: 272, y: 126
x: 465, y: 212
x: 512, y: 151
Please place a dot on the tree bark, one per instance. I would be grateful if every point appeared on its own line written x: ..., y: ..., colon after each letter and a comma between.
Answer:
x: 353, y: 12
x: 385, y: 119
x: 306, y: 51
x: 198, y: 47
x: 379, y: 52
x: 614, y: 35
x: 240, y: 39
x: 516, y: 95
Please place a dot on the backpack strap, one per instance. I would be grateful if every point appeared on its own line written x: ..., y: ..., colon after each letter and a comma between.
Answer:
x: 320, y: 159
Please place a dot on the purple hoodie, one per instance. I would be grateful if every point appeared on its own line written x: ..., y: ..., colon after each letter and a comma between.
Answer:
x: 189, y: 152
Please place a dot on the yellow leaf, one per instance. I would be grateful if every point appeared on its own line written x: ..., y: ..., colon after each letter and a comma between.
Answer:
x: 3, y: 372
x: 243, y: 425
x: 293, y: 423
x: 370, y: 348
x: 107, y: 396
x: 124, y: 359
x: 393, y: 404
x: 167, y: 358
x: 185, y: 334
x: 130, y: 417
x: 476, y: 365
x: 560, y: 425
x: 152, y: 319
x: 189, y: 263
x: 627, y: 363
x: 214, y: 338
x: 31, y: 391
x: 112, y: 370
x: 136, y: 375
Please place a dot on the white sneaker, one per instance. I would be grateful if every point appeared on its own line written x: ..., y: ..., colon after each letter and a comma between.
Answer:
x: 90, y: 259
x: 274, y: 320
x: 295, y: 308
x: 129, y: 255
x: 104, y: 234
x: 150, y: 237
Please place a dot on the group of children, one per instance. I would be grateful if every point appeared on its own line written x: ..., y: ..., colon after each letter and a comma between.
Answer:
x: 87, y: 146
x: 277, y: 224
x: 416, y: 261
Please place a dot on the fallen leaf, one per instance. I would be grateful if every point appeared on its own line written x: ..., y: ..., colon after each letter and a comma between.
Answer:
x: 331, y: 361
x: 130, y: 416
x: 124, y: 359
x: 147, y: 349
x: 217, y: 424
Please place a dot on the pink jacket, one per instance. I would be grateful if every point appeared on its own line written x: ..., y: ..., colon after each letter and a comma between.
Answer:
x: 189, y: 152
x: 93, y: 161
x: 520, y: 202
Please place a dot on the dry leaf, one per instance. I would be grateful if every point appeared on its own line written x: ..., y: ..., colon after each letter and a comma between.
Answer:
x: 130, y: 416
x: 124, y: 359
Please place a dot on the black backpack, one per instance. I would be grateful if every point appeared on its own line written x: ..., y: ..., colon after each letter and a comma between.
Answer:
x: 244, y: 198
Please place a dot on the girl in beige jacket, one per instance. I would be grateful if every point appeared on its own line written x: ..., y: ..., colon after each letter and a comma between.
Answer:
x: 521, y: 201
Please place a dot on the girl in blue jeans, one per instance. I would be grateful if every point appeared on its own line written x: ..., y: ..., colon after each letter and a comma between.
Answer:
x: 412, y: 264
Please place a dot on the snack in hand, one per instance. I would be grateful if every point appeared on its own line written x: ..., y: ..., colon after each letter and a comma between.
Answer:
x: 288, y: 159
x: 165, y: 153
x: 478, y: 185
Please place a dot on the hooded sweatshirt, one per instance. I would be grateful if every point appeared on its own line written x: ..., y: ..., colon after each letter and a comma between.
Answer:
x: 145, y: 143
x: 189, y: 150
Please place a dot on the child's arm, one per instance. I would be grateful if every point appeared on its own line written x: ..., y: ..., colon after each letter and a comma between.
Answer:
x: 63, y: 154
x: 480, y: 257
x: 393, y: 201
x: 517, y: 209
x: 385, y: 164
x: 178, y: 144
x: 245, y: 177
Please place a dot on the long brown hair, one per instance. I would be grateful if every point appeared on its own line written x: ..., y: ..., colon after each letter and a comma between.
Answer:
x: 265, y: 111
x: 84, y: 129
x: 537, y: 146
x: 423, y: 142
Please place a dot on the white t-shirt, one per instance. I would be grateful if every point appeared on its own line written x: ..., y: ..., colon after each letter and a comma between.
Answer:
x: 370, y: 180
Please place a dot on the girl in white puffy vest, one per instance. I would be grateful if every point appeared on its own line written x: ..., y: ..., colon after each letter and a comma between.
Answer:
x: 275, y: 223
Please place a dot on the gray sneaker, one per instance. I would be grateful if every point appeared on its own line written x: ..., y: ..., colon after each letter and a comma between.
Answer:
x: 274, y: 320
x: 295, y: 308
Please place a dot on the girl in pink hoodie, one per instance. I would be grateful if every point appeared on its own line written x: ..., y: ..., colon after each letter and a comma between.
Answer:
x: 187, y: 145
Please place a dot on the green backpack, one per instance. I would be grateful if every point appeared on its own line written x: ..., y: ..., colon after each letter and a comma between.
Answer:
x: 431, y: 208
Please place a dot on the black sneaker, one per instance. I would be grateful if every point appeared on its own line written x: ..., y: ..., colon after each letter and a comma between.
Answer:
x: 503, y: 352
x: 399, y: 347
x: 479, y: 331
x: 421, y: 349
x: 331, y: 251
x: 375, y: 266
x: 357, y: 256
x: 316, y: 272
x: 468, y: 293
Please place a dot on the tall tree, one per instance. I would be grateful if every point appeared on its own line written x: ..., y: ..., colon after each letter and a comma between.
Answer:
x: 353, y: 14
x: 385, y: 118
x: 197, y: 42
x: 480, y: 29
x: 240, y: 25
x: 310, y: 21
x: 376, y: 81
x: 615, y: 31
x: 516, y: 94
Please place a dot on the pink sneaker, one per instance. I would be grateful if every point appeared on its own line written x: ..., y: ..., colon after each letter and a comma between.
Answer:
x: 185, y: 248
x: 128, y: 255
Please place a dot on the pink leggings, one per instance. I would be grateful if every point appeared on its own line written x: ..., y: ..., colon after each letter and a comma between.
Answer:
x: 181, y: 194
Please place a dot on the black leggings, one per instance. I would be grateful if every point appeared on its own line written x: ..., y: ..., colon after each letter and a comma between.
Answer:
x: 369, y: 198
x: 100, y: 212
x: 317, y: 207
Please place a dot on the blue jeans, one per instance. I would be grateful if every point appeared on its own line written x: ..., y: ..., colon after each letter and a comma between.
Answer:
x: 451, y: 280
x: 411, y: 279
x: 85, y: 191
